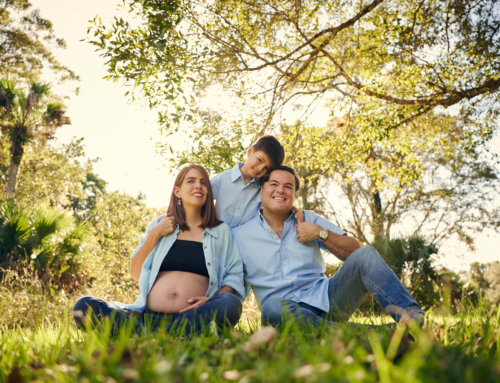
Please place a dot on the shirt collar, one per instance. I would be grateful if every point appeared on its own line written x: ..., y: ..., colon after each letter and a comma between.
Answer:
x: 262, y: 219
x: 212, y: 231
x: 236, y: 172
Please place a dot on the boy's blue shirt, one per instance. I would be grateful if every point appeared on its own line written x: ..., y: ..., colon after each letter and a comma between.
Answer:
x: 237, y: 203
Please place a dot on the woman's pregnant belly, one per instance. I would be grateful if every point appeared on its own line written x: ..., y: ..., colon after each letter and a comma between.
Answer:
x: 172, y: 289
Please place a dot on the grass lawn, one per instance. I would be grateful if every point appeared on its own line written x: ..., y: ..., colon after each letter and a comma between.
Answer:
x: 465, y: 347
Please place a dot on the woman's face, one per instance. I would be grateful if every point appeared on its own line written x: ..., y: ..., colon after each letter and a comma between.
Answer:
x: 193, y: 190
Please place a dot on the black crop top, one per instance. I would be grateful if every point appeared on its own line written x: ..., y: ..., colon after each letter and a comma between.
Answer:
x: 185, y: 256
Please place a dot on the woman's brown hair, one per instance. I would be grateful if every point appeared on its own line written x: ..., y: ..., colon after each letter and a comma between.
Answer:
x: 207, y: 211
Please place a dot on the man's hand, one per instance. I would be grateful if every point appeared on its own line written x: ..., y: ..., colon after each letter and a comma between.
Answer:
x: 307, y: 231
x: 197, y: 302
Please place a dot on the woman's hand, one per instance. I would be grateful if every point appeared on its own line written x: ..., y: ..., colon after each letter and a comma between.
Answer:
x: 197, y: 302
x: 165, y: 226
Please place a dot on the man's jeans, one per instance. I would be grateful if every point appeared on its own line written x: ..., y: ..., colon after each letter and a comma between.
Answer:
x: 364, y: 272
x: 224, y: 309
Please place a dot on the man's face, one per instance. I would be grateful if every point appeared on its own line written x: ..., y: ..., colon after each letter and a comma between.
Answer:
x: 278, y: 193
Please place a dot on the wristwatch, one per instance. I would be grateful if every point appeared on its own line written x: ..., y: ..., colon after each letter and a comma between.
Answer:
x: 323, y: 234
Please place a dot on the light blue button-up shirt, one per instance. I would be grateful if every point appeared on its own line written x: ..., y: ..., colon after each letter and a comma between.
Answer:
x: 284, y: 267
x: 221, y: 256
x: 237, y: 203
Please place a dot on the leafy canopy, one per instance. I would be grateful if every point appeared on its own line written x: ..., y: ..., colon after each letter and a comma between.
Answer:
x: 378, y: 65
x: 26, y: 42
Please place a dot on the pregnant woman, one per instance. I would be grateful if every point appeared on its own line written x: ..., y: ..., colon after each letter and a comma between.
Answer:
x: 188, y: 267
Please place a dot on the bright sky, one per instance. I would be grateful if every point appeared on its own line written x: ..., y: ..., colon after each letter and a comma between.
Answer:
x: 123, y: 135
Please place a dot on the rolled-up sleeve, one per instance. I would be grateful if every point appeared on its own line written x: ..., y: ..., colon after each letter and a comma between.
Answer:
x: 233, y: 276
x: 143, y: 237
x: 325, y: 224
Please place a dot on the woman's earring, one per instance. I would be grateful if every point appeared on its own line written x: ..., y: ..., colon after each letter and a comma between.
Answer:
x: 179, y: 202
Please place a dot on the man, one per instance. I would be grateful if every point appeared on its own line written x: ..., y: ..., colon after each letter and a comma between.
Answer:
x: 284, y: 267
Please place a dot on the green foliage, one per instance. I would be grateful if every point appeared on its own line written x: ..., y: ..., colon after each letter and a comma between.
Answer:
x: 46, y: 239
x: 429, y: 181
x: 118, y: 220
x: 464, y: 348
x: 370, y: 63
x: 404, y: 141
x: 492, y: 278
x: 93, y: 188
x: 24, y: 37
x: 411, y: 261
x: 62, y: 178
x: 29, y: 113
x: 152, y: 53
x: 455, y: 291
x: 57, y: 176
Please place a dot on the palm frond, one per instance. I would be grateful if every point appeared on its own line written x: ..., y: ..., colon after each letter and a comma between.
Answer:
x: 73, y: 240
x: 46, y: 223
x: 54, y: 114
x: 7, y: 92
x: 15, y: 229
x: 40, y: 88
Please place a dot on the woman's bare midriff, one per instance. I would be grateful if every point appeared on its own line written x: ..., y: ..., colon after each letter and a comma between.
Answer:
x: 172, y: 289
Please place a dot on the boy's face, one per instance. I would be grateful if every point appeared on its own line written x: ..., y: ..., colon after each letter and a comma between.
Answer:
x: 257, y: 163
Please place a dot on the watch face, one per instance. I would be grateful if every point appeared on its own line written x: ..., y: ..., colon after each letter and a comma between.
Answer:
x: 323, y: 234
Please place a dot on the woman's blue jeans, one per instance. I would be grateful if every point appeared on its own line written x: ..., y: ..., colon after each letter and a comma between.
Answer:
x: 364, y: 272
x: 224, y: 309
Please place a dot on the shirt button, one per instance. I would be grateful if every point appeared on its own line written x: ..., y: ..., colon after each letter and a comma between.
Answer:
x: 211, y: 283
x: 289, y: 281
x: 205, y: 247
x: 284, y: 263
x: 208, y: 263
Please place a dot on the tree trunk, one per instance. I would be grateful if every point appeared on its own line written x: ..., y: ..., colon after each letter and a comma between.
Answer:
x: 15, y: 161
x: 377, y: 216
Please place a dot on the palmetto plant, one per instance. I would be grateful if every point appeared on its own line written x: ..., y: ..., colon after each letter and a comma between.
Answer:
x: 47, y: 240
x: 410, y: 259
x: 27, y: 112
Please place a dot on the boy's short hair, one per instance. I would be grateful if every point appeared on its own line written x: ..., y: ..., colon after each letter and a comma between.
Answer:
x: 266, y: 176
x: 273, y: 149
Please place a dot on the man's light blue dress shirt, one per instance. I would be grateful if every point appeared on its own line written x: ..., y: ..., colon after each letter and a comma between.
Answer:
x: 221, y: 255
x: 237, y: 203
x: 284, y: 267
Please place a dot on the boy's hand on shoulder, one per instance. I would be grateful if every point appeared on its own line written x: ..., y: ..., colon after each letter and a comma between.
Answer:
x: 299, y: 214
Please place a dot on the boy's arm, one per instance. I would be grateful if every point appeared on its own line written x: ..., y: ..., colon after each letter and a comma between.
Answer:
x: 215, y: 182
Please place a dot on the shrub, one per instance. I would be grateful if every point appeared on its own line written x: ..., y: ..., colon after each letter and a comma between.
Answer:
x: 492, y: 277
x: 43, y: 241
x: 410, y: 259
x: 117, y: 221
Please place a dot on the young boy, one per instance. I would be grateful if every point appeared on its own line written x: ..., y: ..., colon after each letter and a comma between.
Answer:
x: 237, y: 190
